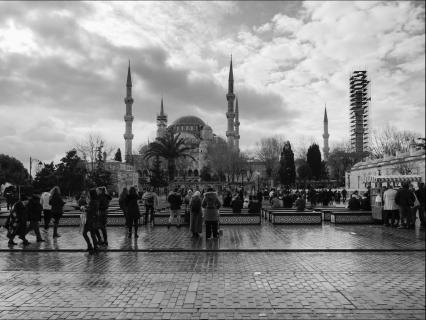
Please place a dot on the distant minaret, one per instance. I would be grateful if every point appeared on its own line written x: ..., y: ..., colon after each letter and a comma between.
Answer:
x: 128, y: 118
x: 161, y: 121
x: 325, y: 135
x: 230, y: 115
x: 237, y: 127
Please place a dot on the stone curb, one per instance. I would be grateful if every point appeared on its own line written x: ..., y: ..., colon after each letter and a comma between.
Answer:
x: 217, y: 250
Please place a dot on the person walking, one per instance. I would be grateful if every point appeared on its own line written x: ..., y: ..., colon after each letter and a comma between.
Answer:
x: 133, y: 213
x: 34, y: 214
x: 175, y: 201
x: 91, y: 208
x: 103, y: 199
x: 47, y: 209
x: 57, y: 209
x: 420, y: 193
x: 390, y: 208
x: 150, y: 200
x: 122, y: 202
x: 196, y: 214
x: 17, y: 224
x: 405, y: 200
x: 211, y: 205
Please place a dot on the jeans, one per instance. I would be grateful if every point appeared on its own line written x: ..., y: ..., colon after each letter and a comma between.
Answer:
x: 35, y: 225
x: 86, y: 230
x: 149, y: 213
x: 405, y: 215
x: 173, y: 214
x: 132, y: 222
x: 211, y: 226
x: 422, y: 214
x: 47, y: 216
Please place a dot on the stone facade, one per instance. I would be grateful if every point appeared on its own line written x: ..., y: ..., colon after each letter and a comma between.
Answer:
x: 412, y: 162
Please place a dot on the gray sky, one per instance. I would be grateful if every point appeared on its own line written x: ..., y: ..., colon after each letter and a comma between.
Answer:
x: 63, y: 68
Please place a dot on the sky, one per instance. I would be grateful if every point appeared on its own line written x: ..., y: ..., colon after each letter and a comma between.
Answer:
x: 63, y: 68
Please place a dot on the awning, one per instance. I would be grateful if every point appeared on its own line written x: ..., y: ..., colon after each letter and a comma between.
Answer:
x: 394, y: 178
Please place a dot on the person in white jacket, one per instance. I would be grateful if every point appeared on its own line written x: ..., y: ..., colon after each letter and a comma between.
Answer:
x: 47, y: 213
x: 390, y: 208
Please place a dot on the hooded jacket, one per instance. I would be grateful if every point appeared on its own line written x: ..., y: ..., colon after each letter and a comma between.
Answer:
x: 211, y: 204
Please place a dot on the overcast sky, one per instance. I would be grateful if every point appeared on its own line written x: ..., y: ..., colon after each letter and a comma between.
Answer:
x: 63, y: 68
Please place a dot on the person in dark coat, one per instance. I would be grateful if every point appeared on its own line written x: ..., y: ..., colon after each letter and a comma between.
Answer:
x: 300, y: 203
x: 196, y: 220
x: 122, y: 201
x: 34, y: 212
x: 236, y: 205
x: 104, y: 199
x: 254, y: 205
x: 420, y: 193
x: 133, y: 213
x: 354, y: 203
x: 57, y: 209
x: 175, y: 201
x: 91, y: 208
x: 211, y: 205
x: 405, y: 200
x: 17, y: 222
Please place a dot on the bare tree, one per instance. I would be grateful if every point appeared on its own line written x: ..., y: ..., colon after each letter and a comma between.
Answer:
x: 269, y: 151
x: 389, y: 140
x: 301, y: 146
x: 89, y: 148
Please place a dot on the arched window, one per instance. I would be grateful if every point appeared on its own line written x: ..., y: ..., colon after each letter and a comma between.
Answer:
x: 189, y: 173
x: 195, y: 173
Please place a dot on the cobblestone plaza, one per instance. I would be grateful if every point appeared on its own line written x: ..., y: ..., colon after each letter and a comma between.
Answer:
x: 252, y: 272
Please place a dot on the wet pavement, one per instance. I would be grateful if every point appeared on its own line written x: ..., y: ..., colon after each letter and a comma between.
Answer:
x: 366, y: 280
x: 212, y: 285
x: 256, y: 237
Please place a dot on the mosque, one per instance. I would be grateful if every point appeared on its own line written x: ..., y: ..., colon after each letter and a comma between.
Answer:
x: 194, y: 130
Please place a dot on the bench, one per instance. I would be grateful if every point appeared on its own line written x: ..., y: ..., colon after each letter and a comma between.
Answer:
x: 326, y: 211
x: 351, y: 217
x: 226, y: 217
x: 291, y: 216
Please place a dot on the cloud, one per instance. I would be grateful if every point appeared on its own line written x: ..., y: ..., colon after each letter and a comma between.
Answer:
x: 63, y: 67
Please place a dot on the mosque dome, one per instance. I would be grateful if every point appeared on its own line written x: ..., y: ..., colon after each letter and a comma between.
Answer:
x: 189, y: 120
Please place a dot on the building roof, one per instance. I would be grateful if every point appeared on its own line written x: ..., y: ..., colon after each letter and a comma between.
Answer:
x: 189, y: 120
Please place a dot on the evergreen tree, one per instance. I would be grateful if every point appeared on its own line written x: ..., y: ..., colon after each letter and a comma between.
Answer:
x: 287, y: 171
x: 70, y: 173
x: 157, y: 176
x: 46, y: 178
x: 117, y: 156
x: 313, y: 158
x: 12, y: 170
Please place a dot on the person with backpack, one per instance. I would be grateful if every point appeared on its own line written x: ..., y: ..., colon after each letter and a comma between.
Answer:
x: 34, y: 214
x: 150, y: 200
x: 175, y: 201
x: 211, y: 205
x: 104, y: 199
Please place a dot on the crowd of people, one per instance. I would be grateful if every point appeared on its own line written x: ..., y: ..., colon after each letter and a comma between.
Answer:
x: 400, y: 207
